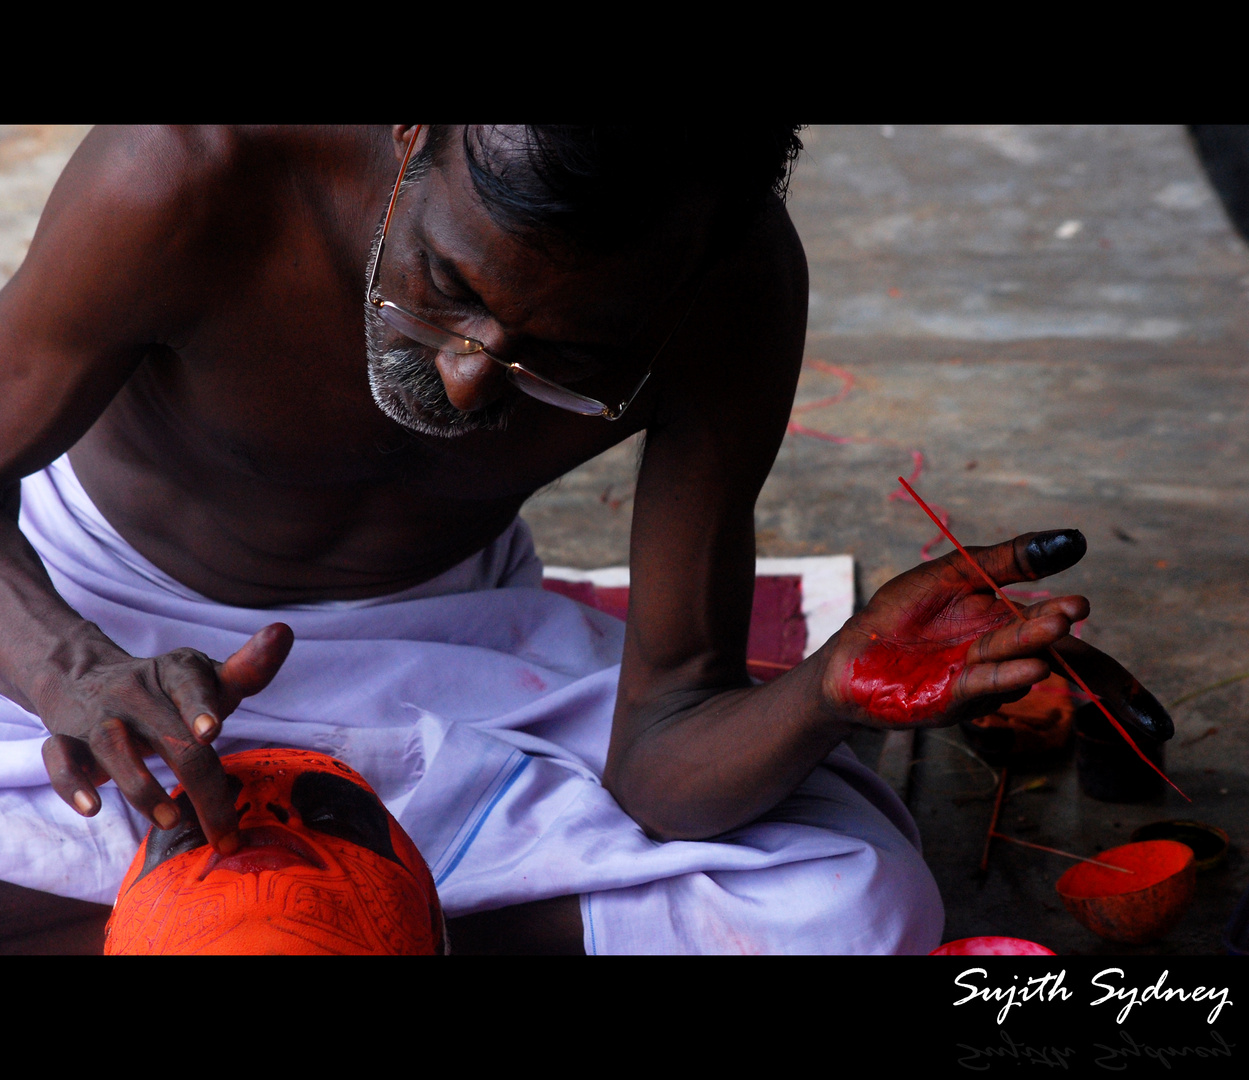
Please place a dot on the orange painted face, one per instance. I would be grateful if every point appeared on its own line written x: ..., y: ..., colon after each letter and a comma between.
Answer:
x: 322, y: 868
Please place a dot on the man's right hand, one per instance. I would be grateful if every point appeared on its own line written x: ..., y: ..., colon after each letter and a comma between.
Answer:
x: 108, y: 713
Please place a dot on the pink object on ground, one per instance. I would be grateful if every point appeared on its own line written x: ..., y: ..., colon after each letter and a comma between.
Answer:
x: 992, y: 946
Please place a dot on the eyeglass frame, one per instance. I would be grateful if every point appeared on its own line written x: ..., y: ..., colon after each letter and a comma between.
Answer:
x: 568, y: 400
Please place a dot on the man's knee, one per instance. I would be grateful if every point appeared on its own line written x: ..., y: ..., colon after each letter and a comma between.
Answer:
x: 869, y: 901
x: 34, y: 923
x: 541, y: 928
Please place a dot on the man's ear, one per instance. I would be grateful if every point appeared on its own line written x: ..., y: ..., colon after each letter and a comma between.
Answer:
x: 400, y: 134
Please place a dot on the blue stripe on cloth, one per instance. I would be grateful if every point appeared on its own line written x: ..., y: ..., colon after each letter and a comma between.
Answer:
x: 466, y: 823
x: 589, y: 910
x: 525, y: 759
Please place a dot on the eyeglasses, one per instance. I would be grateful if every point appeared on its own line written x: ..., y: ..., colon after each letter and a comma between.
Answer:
x: 528, y: 382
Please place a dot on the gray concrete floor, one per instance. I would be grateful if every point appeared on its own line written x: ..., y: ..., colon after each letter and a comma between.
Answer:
x: 1056, y: 319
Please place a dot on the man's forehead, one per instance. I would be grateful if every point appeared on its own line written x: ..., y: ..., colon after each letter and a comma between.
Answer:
x: 522, y: 276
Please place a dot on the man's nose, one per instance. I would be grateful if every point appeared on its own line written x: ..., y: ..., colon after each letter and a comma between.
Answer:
x: 472, y: 382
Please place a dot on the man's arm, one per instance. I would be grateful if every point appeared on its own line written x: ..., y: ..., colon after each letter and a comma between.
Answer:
x: 687, y: 755
x: 109, y: 274
x: 696, y: 749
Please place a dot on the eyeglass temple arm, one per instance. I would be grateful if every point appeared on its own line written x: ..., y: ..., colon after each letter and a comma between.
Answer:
x: 616, y: 413
x: 394, y: 197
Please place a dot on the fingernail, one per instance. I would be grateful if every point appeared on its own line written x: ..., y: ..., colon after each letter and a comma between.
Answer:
x: 83, y: 801
x: 228, y: 845
x: 1050, y: 552
x: 204, y: 725
x: 166, y: 815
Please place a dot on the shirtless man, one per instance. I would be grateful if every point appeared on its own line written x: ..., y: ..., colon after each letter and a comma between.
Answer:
x: 188, y: 326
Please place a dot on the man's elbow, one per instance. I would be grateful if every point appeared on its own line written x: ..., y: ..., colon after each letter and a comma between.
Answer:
x: 653, y: 803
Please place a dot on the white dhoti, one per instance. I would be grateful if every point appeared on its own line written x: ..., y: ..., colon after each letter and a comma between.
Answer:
x: 479, y: 706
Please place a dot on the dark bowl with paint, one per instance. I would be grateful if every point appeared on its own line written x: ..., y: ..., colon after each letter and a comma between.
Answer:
x: 1209, y: 842
x: 1033, y: 732
x: 1107, y: 768
x: 1135, y: 908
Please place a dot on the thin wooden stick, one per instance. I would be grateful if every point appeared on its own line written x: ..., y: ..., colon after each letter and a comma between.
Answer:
x: 997, y: 810
x: 773, y: 664
x: 1207, y: 689
x: 1019, y: 615
x: 1055, y: 851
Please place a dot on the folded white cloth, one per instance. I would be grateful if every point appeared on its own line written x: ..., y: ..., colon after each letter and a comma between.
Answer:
x: 479, y: 707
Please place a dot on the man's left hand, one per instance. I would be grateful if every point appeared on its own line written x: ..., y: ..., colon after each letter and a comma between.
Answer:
x: 935, y: 645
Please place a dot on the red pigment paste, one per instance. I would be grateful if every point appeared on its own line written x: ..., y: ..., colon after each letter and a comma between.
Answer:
x: 1150, y: 861
x: 906, y: 684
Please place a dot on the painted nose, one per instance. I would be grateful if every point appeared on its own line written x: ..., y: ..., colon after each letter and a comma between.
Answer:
x: 255, y: 812
x: 472, y: 382
x: 264, y: 801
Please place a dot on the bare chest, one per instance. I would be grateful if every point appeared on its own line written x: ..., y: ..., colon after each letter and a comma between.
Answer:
x: 253, y: 465
x: 247, y: 458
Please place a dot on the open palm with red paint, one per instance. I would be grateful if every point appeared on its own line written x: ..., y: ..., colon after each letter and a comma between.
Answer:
x: 935, y: 645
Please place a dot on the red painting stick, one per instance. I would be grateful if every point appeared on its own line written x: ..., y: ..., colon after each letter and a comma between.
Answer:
x: 1053, y: 653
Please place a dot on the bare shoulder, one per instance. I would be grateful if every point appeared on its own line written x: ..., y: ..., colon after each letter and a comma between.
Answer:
x: 768, y: 262
x: 151, y: 176
x: 136, y: 241
x: 741, y: 351
x: 125, y: 229
x: 770, y: 251
x: 145, y: 160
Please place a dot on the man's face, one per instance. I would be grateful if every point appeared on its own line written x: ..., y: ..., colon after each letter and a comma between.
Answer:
x: 588, y: 322
x: 321, y: 868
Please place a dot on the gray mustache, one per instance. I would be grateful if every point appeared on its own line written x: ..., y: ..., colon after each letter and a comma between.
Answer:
x: 411, y: 368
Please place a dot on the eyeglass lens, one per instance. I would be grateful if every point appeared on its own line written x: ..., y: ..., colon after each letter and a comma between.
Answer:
x: 526, y: 381
x: 425, y: 334
x: 553, y: 395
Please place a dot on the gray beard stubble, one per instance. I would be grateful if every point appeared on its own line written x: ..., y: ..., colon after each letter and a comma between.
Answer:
x: 411, y: 367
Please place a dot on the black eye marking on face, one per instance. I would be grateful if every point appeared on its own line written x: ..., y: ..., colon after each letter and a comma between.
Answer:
x: 186, y: 836
x: 335, y: 806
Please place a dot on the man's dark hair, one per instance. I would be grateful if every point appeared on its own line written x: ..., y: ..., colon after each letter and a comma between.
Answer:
x: 602, y: 185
